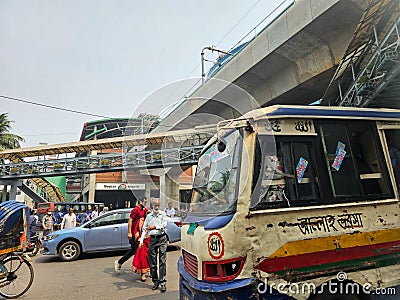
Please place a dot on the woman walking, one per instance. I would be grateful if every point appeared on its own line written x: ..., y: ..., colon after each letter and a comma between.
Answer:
x: 140, y: 262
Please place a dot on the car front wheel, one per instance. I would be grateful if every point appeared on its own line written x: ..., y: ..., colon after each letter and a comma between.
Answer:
x: 69, y: 251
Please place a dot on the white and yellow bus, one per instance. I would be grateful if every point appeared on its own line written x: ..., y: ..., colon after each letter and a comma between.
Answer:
x: 296, y: 202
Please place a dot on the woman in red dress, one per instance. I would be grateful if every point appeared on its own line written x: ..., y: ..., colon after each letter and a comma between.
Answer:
x: 140, y: 263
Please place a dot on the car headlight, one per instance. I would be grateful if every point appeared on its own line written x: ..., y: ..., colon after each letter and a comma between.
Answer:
x: 50, y: 237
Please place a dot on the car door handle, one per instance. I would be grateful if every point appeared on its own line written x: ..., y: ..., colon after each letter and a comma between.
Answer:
x: 116, y: 228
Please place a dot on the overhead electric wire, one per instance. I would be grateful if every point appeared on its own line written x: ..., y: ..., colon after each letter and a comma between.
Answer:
x: 238, y: 22
x: 222, y: 39
x: 233, y: 27
x: 262, y: 21
x: 194, y: 69
x: 51, y: 106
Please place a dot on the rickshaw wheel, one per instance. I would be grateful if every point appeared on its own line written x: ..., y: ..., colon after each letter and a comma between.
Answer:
x: 19, y: 277
x: 69, y: 251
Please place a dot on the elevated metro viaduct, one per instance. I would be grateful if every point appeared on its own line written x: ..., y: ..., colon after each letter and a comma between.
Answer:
x: 293, y: 60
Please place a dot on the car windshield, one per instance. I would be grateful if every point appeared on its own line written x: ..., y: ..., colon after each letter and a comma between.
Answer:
x: 214, y: 186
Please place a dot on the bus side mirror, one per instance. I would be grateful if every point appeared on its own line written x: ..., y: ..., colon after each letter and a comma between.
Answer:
x: 221, y: 146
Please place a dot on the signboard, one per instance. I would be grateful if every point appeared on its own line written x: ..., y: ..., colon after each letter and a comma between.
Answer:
x: 286, y: 127
x: 119, y: 186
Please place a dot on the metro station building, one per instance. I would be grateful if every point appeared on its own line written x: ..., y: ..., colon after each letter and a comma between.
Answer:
x: 122, y: 188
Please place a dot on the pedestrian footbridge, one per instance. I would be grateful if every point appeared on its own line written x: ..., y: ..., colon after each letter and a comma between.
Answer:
x: 144, y: 151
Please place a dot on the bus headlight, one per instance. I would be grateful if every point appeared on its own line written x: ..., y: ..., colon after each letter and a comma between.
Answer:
x: 223, y: 270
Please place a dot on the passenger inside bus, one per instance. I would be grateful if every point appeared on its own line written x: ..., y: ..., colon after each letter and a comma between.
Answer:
x: 273, y: 184
x: 273, y: 173
x: 287, y: 176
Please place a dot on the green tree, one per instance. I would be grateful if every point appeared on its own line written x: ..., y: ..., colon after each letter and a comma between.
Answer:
x: 8, y: 140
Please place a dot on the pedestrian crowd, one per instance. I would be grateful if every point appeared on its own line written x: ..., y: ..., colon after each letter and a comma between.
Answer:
x: 148, y: 239
x: 146, y: 234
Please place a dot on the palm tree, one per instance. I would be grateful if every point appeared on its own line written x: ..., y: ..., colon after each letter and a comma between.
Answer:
x: 8, y: 140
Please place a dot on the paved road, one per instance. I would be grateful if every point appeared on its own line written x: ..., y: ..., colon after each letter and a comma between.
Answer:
x: 92, y: 277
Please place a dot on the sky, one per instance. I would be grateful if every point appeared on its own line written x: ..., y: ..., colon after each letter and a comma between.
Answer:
x: 104, y: 57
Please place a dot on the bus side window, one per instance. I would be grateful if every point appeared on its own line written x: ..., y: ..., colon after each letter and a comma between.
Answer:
x: 354, y: 161
x: 271, y: 179
x: 342, y: 174
x: 301, y: 179
x: 280, y: 184
x: 366, y: 160
x: 393, y: 144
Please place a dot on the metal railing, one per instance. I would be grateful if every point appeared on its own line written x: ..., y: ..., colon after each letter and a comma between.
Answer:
x: 381, y: 67
x: 101, y: 163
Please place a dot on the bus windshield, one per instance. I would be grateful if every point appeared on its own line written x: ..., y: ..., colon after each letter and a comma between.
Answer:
x: 214, y: 186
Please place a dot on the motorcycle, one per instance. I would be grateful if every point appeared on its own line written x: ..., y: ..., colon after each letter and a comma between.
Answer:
x: 34, y: 246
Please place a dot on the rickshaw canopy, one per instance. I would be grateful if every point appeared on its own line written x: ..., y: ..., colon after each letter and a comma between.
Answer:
x: 13, y: 228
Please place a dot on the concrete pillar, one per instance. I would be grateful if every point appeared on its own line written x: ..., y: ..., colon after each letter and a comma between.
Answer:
x: 4, y: 196
x: 147, y: 192
x: 84, y: 197
x: 169, y: 188
x: 92, y: 187
x: 92, y: 183
x: 13, y: 191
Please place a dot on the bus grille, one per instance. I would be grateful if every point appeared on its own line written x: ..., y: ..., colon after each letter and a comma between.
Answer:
x: 190, y: 263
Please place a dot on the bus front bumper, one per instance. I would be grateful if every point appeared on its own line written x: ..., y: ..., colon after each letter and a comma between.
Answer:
x: 192, y: 289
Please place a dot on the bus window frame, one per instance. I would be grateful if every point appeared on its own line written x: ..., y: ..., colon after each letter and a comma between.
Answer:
x: 379, y: 147
x: 383, y: 131
x: 321, y: 172
x: 310, y: 141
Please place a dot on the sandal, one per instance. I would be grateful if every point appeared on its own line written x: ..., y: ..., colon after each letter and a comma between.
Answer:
x: 143, y: 278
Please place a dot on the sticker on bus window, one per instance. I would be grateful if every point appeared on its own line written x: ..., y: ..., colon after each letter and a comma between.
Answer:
x: 340, y: 147
x: 339, y: 156
x: 301, y: 169
x: 338, y: 159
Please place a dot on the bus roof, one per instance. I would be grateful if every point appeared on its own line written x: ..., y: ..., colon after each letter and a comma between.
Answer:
x: 279, y: 111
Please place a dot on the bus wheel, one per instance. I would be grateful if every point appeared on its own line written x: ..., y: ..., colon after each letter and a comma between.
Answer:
x: 69, y: 251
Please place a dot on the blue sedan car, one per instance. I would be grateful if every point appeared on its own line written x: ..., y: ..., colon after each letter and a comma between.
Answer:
x: 107, y: 232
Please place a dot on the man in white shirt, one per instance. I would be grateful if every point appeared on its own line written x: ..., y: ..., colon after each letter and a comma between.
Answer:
x: 155, y: 225
x: 95, y: 212
x: 170, y: 211
x: 69, y: 220
x: 48, y: 223
x: 105, y: 209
